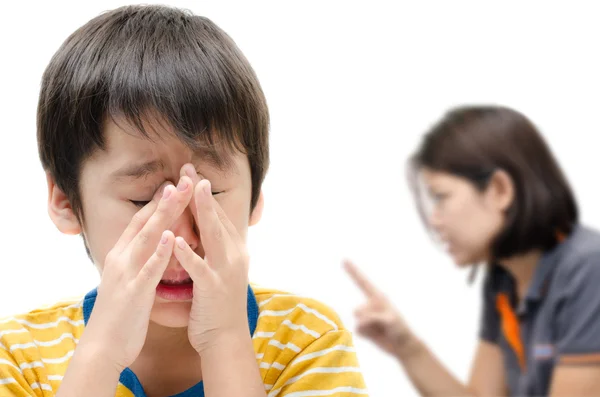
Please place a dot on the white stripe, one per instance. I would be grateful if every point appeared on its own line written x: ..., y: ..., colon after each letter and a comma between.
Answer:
x: 43, y: 325
x: 263, y: 334
x: 302, y: 328
x: 49, y: 325
x: 43, y: 386
x: 13, y: 331
x: 58, y: 360
x: 259, y: 356
x: 322, y: 370
x: 281, y: 346
x: 55, y: 377
x: 306, y: 309
x: 276, y: 313
x: 343, y: 389
x: 37, y: 343
x: 66, y: 335
x: 34, y: 385
x: 74, y: 305
x: 319, y: 315
x: 274, y: 365
x: 21, y: 346
x: 23, y: 366
x: 34, y: 364
x: 268, y: 387
x: 3, y: 361
x: 56, y: 341
x: 317, y: 370
x: 322, y: 353
x: 261, y: 304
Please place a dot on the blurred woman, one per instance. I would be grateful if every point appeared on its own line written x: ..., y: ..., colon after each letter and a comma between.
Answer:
x: 490, y: 189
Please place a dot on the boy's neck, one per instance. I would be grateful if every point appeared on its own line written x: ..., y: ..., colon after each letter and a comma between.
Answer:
x: 168, y: 364
x: 165, y: 339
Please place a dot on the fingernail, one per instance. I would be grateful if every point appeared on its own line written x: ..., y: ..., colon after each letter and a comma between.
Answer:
x: 190, y: 172
x: 164, y: 238
x: 207, y: 188
x: 182, y: 185
x: 180, y: 242
x: 160, y: 191
x: 167, y: 192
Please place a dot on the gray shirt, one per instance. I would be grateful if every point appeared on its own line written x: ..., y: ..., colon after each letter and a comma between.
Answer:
x: 558, y: 322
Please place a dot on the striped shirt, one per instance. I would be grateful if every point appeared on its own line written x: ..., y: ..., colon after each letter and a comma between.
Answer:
x: 302, y: 349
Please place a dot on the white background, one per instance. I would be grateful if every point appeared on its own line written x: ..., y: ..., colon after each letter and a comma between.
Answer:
x: 351, y: 88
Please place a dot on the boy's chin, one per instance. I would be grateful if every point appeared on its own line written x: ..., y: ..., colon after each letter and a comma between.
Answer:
x: 171, y: 314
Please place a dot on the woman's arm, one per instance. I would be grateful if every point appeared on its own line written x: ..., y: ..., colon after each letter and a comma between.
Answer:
x: 378, y: 321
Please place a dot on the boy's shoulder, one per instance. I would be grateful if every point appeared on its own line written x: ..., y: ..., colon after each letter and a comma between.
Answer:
x: 289, y: 323
x: 38, y: 344
x: 45, y: 326
x: 58, y: 316
x: 302, y: 346
x: 276, y: 304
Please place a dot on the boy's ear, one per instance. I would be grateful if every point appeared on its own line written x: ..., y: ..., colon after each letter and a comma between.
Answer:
x: 258, y: 210
x: 60, y: 210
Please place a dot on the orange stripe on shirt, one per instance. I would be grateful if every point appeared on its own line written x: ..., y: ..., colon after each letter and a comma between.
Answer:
x: 593, y: 358
x: 510, y: 327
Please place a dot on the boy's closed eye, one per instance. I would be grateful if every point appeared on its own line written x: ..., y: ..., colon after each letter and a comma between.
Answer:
x: 143, y: 203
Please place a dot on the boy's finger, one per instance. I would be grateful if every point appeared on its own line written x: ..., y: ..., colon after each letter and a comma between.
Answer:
x: 152, y: 272
x: 189, y: 260
x: 361, y: 280
x: 139, y: 220
x: 172, y: 204
x: 215, y: 238
x: 190, y: 171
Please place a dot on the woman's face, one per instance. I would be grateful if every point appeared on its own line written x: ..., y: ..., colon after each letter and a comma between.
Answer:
x: 466, y: 219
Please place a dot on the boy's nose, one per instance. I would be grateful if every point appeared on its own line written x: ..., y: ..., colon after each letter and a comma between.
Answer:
x: 184, y: 226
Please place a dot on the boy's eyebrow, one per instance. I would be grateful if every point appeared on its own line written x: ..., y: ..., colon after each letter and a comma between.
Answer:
x: 142, y: 170
x: 138, y: 171
x: 213, y: 157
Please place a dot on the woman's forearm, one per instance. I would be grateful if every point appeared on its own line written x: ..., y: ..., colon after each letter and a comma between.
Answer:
x: 427, y: 373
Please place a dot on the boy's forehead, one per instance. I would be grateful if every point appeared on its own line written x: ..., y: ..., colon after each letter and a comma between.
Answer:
x: 159, y: 144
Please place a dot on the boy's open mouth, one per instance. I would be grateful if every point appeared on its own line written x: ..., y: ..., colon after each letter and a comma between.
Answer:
x: 176, y: 282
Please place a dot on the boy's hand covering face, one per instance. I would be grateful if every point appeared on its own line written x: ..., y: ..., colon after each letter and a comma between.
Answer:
x: 132, y: 269
x: 221, y: 277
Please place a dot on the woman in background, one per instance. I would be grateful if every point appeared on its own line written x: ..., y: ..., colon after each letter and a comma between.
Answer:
x: 500, y: 198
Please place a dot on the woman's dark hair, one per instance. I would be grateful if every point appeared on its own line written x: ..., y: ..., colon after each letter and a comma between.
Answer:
x: 473, y: 142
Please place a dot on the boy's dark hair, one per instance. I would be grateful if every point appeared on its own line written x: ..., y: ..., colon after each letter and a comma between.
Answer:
x: 138, y: 62
x: 475, y: 141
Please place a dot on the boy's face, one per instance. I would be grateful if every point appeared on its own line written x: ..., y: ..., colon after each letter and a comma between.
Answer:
x: 110, y: 198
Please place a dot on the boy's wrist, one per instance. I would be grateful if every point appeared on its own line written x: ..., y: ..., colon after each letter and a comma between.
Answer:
x: 90, y: 372
x: 227, y: 341
x: 101, y: 353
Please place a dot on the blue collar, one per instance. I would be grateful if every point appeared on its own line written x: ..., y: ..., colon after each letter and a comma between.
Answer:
x: 130, y: 380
